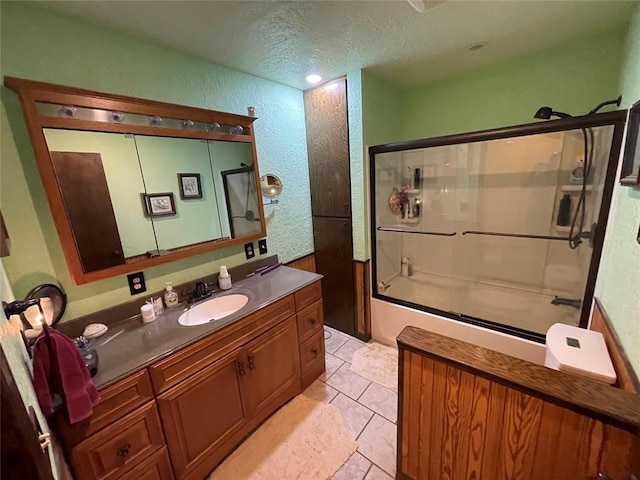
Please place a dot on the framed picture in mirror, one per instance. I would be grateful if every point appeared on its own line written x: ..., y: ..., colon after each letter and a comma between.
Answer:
x: 158, y: 204
x: 190, y: 186
x: 631, y: 159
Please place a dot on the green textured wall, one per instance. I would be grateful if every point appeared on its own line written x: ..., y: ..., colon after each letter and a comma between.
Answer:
x: 619, y: 280
x: 42, y: 46
x: 571, y: 77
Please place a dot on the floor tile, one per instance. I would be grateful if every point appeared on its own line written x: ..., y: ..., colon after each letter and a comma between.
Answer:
x: 332, y: 364
x: 347, y: 382
x: 355, y: 416
x: 376, y: 474
x: 377, y: 442
x: 333, y: 341
x: 320, y: 392
x: 381, y: 400
x: 346, y: 351
x: 354, y: 469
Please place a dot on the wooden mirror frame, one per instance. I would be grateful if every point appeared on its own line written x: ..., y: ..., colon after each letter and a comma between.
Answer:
x: 630, y: 174
x: 32, y: 92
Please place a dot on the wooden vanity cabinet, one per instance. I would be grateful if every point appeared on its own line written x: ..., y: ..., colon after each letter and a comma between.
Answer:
x: 204, y: 399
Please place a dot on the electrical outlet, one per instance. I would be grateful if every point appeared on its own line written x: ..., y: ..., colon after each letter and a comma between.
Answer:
x: 248, y: 250
x: 136, y: 283
x: 262, y: 246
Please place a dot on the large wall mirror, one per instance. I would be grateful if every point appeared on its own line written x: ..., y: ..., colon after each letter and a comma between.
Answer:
x: 130, y: 188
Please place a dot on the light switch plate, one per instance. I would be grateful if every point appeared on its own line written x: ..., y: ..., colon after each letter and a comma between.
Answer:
x: 262, y: 246
x: 249, y: 251
x: 136, y: 283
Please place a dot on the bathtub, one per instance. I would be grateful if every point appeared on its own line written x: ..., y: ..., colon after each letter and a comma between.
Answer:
x: 519, y: 308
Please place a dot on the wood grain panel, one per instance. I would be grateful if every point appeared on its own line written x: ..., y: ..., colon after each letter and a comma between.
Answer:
x: 177, y: 367
x: 115, y: 450
x: 201, y: 413
x: 327, y: 127
x: 332, y: 239
x: 563, y: 388
x: 308, y: 295
x: 272, y: 366
x: 455, y: 423
x: 627, y: 377
x: 307, y: 263
x: 362, y: 288
x: 85, y: 193
x: 156, y: 467
x: 116, y: 401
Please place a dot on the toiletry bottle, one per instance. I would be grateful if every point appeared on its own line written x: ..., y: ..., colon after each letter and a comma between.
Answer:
x: 564, y: 212
x: 224, y: 279
x: 170, y: 296
x: 405, y: 267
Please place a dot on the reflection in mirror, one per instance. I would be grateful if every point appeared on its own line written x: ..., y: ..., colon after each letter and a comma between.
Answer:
x: 233, y: 167
x: 181, y: 167
x: 271, y: 185
x: 99, y: 179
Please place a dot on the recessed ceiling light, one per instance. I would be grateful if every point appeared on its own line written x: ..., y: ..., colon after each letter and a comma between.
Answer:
x: 474, y: 47
x: 314, y: 78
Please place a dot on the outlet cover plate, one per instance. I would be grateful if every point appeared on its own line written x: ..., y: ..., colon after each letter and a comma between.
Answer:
x: 136, y: 283
x: 249, y: 251
x: 262, y: 246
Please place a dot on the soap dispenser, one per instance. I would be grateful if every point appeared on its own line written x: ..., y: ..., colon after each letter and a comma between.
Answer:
x: 170, y: 296
x: 224, y: 279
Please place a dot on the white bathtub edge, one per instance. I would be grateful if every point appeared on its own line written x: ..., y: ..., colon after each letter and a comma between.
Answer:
x: 388, y: 320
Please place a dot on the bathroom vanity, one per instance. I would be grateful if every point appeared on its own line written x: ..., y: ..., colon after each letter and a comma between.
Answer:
x: 176, y: 400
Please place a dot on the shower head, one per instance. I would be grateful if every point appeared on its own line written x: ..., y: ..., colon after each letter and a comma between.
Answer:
x: 616, y: 102
x: 545, y: 113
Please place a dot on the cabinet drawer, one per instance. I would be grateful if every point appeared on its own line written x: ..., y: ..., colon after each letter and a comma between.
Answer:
x: 156, y: 467
x: 120, y: 447
x: 312, y: 351
x: 116, y: 401
x: 310, y: 320
x: 307, y: 295
x: 177, y: 367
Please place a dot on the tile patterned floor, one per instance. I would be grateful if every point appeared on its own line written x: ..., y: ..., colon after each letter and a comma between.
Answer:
x: 369, y: 411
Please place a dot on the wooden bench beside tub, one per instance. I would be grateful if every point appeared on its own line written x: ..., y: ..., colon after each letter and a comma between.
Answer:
x: 468, y: 412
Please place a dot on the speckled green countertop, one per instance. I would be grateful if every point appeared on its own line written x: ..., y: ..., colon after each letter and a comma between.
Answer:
x: 139, y: 345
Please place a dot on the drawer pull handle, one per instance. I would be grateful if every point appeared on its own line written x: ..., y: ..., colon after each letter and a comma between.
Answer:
x: 314, y: 321
x: 315, y: 350
x: 252, y: 365
x: 124, y: 451
x: 240, y: 365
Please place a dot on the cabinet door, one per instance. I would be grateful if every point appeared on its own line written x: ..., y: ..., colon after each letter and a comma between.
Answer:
x: 201, y: 413
x: 273, y: 366
x: 325, y: 109
x: 332, y: 239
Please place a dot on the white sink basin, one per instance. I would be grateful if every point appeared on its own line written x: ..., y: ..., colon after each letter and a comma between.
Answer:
x: 213, y: 309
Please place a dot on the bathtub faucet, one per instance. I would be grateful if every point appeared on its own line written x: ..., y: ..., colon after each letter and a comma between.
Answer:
x: 382, y: 286
x: 577, y: 303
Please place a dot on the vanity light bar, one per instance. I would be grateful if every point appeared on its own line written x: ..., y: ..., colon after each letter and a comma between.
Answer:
x: 108, y: 116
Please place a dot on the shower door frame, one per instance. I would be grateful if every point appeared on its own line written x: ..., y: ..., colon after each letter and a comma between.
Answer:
x: 616, y: 119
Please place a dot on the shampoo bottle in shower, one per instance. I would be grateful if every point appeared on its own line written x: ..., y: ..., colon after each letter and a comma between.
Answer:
x: 564, y: 212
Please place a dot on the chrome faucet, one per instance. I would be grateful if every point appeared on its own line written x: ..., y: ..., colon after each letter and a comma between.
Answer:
x: 575, y: 303
x: 200, y: 293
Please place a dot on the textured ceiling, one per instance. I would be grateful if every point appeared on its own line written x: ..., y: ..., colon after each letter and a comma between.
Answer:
x: 285, y: 41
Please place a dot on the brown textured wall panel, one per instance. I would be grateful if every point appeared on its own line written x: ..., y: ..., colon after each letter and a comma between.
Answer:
x: 455, y: 424
x: 325, y: 109
x: 307, y: 263
x: 627, y: 377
